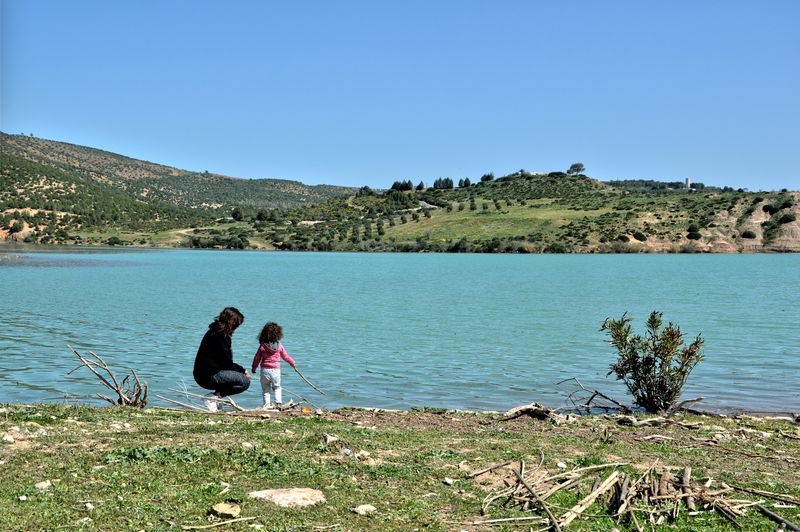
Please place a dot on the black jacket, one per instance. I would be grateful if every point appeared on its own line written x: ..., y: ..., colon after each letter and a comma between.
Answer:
x: 214, y: 355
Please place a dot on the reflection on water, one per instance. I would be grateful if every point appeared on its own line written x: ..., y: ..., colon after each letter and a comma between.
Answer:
x: 54, y: 260
x: 392, y: 330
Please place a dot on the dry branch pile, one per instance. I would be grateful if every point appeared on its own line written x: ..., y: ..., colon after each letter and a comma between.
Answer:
x: 652, y: 498
x: 130, y: 391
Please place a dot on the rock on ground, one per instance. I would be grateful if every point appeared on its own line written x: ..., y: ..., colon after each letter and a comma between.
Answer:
x: 364, y: 509
x: 290, y: 497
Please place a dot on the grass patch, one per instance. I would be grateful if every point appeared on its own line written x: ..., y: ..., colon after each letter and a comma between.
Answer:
x: 157, y: 469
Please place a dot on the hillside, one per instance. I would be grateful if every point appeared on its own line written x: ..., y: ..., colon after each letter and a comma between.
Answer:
x: 148, y: 181
x: 54, y: 192
x: 538, y: 213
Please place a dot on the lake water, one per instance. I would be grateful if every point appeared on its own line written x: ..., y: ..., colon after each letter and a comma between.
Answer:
x: 479, y: 332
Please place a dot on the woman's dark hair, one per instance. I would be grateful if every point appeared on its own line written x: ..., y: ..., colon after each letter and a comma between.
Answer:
x: 270, y: 334
x: 227, y: 321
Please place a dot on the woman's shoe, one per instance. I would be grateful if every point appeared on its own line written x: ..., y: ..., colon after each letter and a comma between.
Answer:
x: 211, y: 404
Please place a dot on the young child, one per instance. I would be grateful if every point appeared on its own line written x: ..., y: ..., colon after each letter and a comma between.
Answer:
x: 268, y: 357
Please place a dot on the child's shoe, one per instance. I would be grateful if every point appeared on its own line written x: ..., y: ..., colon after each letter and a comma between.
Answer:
x: 267, y: 406
x: 278, y: 406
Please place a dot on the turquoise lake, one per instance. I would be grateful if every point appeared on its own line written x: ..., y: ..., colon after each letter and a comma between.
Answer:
x: 477, y: 332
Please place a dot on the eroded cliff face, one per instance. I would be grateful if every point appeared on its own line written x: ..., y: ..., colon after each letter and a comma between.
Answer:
x: 727, y: 232
x: 785, y: 239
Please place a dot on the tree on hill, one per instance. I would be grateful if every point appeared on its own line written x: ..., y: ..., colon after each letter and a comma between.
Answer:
x: 487, y: 177
x: 576, y: 168
x: 402, y: 185
x: 467, y: 182
x: 421, y: 186
x: 443, y: 183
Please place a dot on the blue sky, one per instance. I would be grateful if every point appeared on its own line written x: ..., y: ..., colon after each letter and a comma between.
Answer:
x: 359, y: 93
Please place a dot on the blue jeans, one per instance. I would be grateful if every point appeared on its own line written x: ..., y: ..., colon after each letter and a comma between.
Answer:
x: 227, y: 382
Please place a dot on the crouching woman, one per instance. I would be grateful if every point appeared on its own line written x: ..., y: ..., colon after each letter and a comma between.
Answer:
x: 214, y: 368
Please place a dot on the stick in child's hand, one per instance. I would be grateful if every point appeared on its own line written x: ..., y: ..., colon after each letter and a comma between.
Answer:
x: 307, y: 381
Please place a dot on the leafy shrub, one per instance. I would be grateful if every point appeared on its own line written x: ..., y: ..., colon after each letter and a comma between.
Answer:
x: 623, y: 238
x: 748, y: 234
x: 653, y: 368
x: 641, y: 237
x: 694, y: 235
x: 787, y: 218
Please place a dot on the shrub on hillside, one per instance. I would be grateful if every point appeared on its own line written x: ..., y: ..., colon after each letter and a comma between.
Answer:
x: 748, y: 234
x: 787, y: 218
x: 653, y: 368
x: 641, y: 237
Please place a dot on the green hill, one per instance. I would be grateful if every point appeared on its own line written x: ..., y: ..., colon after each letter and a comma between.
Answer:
x: 531, y: 213
x: 149, y: 181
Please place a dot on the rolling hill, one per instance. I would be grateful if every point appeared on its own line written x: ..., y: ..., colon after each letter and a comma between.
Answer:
x: 148, y: 181
x: 53, y: 192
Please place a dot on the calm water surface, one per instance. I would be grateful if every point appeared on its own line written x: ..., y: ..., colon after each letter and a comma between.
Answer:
x: 400, y: 330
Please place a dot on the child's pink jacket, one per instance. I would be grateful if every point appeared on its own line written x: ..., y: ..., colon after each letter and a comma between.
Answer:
x: 270, y: 358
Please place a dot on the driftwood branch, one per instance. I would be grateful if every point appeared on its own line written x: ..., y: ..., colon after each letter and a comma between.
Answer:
x: 130, y: 392
x: 677, y: 408
x: 589, y: 402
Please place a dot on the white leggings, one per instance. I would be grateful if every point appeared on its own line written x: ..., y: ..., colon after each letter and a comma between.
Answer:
x: 271, y: 381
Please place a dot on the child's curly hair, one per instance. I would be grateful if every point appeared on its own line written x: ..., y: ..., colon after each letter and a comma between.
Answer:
x: 271, y: 333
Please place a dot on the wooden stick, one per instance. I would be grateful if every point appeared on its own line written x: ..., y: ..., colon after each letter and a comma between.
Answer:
x: 724, y: 512
x: 307, y: 381
x: 686, y: 488
x: 568, y: 484
x: 777, y: 518
x: 540, y: 501
x: 584, y: 470
x: 576, y: 510
x: 509, y: 519
x: 487, y: 469
x: 185, y: 405
x: 215, y: 525
x: 768, y: 494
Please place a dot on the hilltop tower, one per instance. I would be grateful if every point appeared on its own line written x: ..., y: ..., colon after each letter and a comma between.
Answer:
x: 688, y: 183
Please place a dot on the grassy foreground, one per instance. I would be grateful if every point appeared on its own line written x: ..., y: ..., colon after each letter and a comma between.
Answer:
x: 124, y: 469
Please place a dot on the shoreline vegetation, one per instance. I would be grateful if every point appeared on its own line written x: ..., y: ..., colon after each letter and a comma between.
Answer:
x: 157, y: 468
x: 55, y: 193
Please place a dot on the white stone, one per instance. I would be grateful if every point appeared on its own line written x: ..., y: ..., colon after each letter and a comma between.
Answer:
x: 329, y: 438
x: 89, y: 506
x: 247, y: 445
x: 290, y: 497
x: 449, y: 481
x: 561, y: 465
x: 363, y: 509
x: 8, y: 438
x: 23, y: 498
x: 43, y: 485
